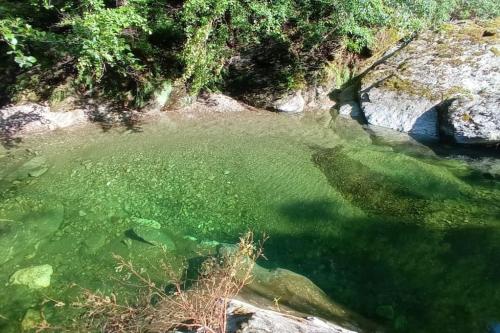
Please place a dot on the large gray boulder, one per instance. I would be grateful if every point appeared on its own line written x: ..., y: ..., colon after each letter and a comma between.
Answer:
x: 442, y: 84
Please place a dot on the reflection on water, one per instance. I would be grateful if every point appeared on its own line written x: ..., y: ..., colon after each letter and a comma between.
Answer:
x: 411, y: 241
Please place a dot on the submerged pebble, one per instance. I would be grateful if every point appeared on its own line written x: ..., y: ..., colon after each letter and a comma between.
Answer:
x: 38, y: 172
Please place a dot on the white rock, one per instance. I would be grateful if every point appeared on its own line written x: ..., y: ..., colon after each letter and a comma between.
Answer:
x: 33, y: 117
x: 34, y: 277
x: 217, y: 103
x: 293, y: 103
x: 401, y: 112
x: 473, y: 121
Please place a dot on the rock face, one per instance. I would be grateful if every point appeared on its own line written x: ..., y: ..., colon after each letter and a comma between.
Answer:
x: 36, y: 118
x: 473, y: 120
x: 442, y: 84
x: 246, y: 318
x: 34, y: 277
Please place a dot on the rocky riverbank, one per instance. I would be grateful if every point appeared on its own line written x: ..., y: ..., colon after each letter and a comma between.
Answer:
x: 442, y: 86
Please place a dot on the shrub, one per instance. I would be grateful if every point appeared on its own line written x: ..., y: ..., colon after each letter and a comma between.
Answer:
x: 201, y: 306
x: 135, y: 41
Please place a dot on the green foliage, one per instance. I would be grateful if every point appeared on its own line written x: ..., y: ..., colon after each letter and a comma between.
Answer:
x: 151, y: 40
x: 14, y: 32
x: 100, y: 40
x: 215, y: 28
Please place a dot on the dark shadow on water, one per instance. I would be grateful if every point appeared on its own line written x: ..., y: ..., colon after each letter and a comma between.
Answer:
x: 308, y: 211
x: 391, y: 265
x: 411, y: 278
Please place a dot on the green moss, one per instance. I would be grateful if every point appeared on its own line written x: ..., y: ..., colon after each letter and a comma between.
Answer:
x: 409, y: 87
x: 337, y: 72
x: 455, y: 91
x: 472, y: 31
x: 467, y: 118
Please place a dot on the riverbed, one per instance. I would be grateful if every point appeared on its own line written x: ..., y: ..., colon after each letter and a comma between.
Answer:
x: 389, y: 229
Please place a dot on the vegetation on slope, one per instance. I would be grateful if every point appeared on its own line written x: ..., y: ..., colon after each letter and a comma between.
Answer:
x: 129, y: 47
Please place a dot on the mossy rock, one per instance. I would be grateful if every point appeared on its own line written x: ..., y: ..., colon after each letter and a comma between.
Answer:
x: 367, y: 189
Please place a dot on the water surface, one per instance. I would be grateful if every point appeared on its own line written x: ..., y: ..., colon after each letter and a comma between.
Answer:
x: 395, y: 233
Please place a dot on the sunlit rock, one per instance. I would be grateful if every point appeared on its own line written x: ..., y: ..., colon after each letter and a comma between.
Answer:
x: 33, y: 117
x: 473, y: 120
x: 442, y: 84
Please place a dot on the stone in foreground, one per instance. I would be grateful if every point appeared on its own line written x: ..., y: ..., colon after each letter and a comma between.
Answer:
x: 246, y: 318
x: 35, y: 277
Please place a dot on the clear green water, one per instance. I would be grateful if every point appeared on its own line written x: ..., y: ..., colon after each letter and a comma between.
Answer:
x: 412, y: 243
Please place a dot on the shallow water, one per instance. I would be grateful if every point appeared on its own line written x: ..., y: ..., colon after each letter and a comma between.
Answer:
x: 395, y: 233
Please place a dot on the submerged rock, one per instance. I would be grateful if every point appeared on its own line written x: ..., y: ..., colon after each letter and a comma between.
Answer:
x: 246, y: 318
x: 20, y: 233
x: 34, y: 277
x: 154, y: 236
x: 34, y: 168
x: 94, y: 242
x: 295, y: 291
x: 38, y: 172
x: 368, y: 189
x: 31, y: 320
x: 444, y: 81
x: 150, y: 231
x: 146, y: 223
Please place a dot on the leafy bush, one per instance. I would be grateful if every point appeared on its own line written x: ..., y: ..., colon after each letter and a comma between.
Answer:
x: 101, y: 39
